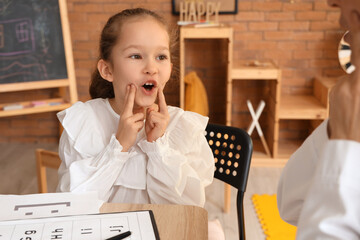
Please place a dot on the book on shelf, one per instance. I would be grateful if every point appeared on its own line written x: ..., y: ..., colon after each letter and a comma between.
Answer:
x: 198, y: 23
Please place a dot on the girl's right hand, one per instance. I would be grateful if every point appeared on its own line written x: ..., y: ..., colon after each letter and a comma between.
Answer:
x: 130, y: 124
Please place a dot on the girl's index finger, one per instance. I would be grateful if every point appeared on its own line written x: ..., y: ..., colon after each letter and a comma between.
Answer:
x: 162, y: 102
x: 129, y: 100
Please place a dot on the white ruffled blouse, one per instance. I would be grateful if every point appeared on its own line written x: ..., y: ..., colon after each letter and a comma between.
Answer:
x: 175, y: 169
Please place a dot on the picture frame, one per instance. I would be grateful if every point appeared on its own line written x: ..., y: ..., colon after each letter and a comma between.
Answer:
x: 227, y: 6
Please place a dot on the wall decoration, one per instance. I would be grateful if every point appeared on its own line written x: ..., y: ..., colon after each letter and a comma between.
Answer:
x: 226, y: 6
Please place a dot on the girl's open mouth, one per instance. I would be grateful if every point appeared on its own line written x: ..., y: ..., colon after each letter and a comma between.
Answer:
x: 148, y: 86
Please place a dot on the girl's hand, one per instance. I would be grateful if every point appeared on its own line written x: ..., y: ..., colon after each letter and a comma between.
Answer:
x: 130, y: 124
x: 157, y: 121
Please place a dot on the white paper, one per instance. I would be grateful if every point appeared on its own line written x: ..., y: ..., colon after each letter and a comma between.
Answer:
x: 48, y: 205
x: 82, y: 227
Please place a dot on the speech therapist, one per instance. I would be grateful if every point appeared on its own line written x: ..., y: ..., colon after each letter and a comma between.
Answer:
x: 319, y: 190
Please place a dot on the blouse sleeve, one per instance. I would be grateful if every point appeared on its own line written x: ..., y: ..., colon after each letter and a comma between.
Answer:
x: 180, y: 163
x: 88, y: 164
x: 297, y: 175
x: 331, y: 209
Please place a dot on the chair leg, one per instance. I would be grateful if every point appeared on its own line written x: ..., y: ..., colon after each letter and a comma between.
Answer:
x: 227, y: 197
x: 41, y: 173
x: 240, y: 213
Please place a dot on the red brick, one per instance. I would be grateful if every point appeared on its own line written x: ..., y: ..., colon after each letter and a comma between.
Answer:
x: 310, y: 54
x: 261, y: 45
x: 323, y: 25
x: 309, y: 35
x: 246, y: 36
x: 80, y: 36
x: 334, y: 72
x: 77, y: 17
x: 85, y: 45
x: 86, y: 26
x: 322, y: 45
x: 331, y: 54
x: 267, y: 6
x: 297, y: 6
x: 245, y: 6
x: 287, y: 73
x: 280, y: 16
x: 294, y: 25
x: 275, y: 54
x: 291, y: 45
x: 324, y: 63
x: 22, y: 123
x: 297, y: 64
x: 88, y: 7
x: 263, y: 26
x: 115, y: 7
x: 322, y: 5
x: 279, y: 35
x: 310, y: 15
x: 250, y: 16
x: 85, y: 63
x: 239, y: 26
x: 81, y: 55
x: 98, y: 17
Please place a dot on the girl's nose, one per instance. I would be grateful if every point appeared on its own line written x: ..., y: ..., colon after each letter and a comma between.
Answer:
x: 150, y: 68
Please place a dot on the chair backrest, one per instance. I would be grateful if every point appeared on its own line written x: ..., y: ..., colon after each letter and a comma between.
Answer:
x: 44, y: 159
x: 232, y: 148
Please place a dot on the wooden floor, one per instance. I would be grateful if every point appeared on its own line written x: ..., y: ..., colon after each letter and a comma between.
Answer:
x: 18, y: 176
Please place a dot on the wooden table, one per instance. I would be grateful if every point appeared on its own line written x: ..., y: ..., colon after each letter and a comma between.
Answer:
x: 173, y: 221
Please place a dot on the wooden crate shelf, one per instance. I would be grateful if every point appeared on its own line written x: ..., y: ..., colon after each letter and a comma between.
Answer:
x: 302, y: 107
x: 313, y: 107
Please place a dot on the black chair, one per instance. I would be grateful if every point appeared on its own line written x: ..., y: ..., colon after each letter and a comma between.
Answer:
x: 232, y: 148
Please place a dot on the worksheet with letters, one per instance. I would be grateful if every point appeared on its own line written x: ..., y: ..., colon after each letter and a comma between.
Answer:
x: 82, y: 227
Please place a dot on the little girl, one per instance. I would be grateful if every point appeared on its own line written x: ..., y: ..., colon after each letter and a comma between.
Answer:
x: 123, y: 145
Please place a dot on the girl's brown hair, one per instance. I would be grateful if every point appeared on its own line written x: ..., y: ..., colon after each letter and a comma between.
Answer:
x: 101, y: 88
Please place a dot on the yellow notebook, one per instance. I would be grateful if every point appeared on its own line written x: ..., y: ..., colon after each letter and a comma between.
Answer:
x: 267, y: 212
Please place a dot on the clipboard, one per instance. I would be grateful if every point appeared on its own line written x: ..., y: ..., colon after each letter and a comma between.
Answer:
x: 83, y: 227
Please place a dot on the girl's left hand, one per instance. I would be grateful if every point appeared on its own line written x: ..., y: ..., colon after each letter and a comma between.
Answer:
x: 157, y: 121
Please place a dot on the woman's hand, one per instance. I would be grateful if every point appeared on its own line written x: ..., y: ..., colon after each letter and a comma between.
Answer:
x: 157, y: 121
x: 130, y: 124
x: 344, y: 119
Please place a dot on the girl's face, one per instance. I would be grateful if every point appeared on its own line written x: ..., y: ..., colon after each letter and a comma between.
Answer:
x: 141, y: 57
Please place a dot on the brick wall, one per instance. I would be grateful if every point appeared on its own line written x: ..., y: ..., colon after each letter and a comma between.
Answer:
x: 300, y: 37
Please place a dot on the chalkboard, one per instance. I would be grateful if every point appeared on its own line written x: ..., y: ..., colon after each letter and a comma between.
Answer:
x: 31, y: 41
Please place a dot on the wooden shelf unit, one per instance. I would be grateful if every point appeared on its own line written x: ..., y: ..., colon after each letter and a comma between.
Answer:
x: 301, y: 107
x: 267, y: 71
x: 222, y: 32
x: 313, y: 107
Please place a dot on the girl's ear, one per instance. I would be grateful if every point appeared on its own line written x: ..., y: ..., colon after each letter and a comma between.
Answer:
x: 105, y: 70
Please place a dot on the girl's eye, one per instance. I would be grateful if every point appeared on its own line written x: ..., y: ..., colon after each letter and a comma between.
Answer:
x: 135, y: 56
x: 162, y: 57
